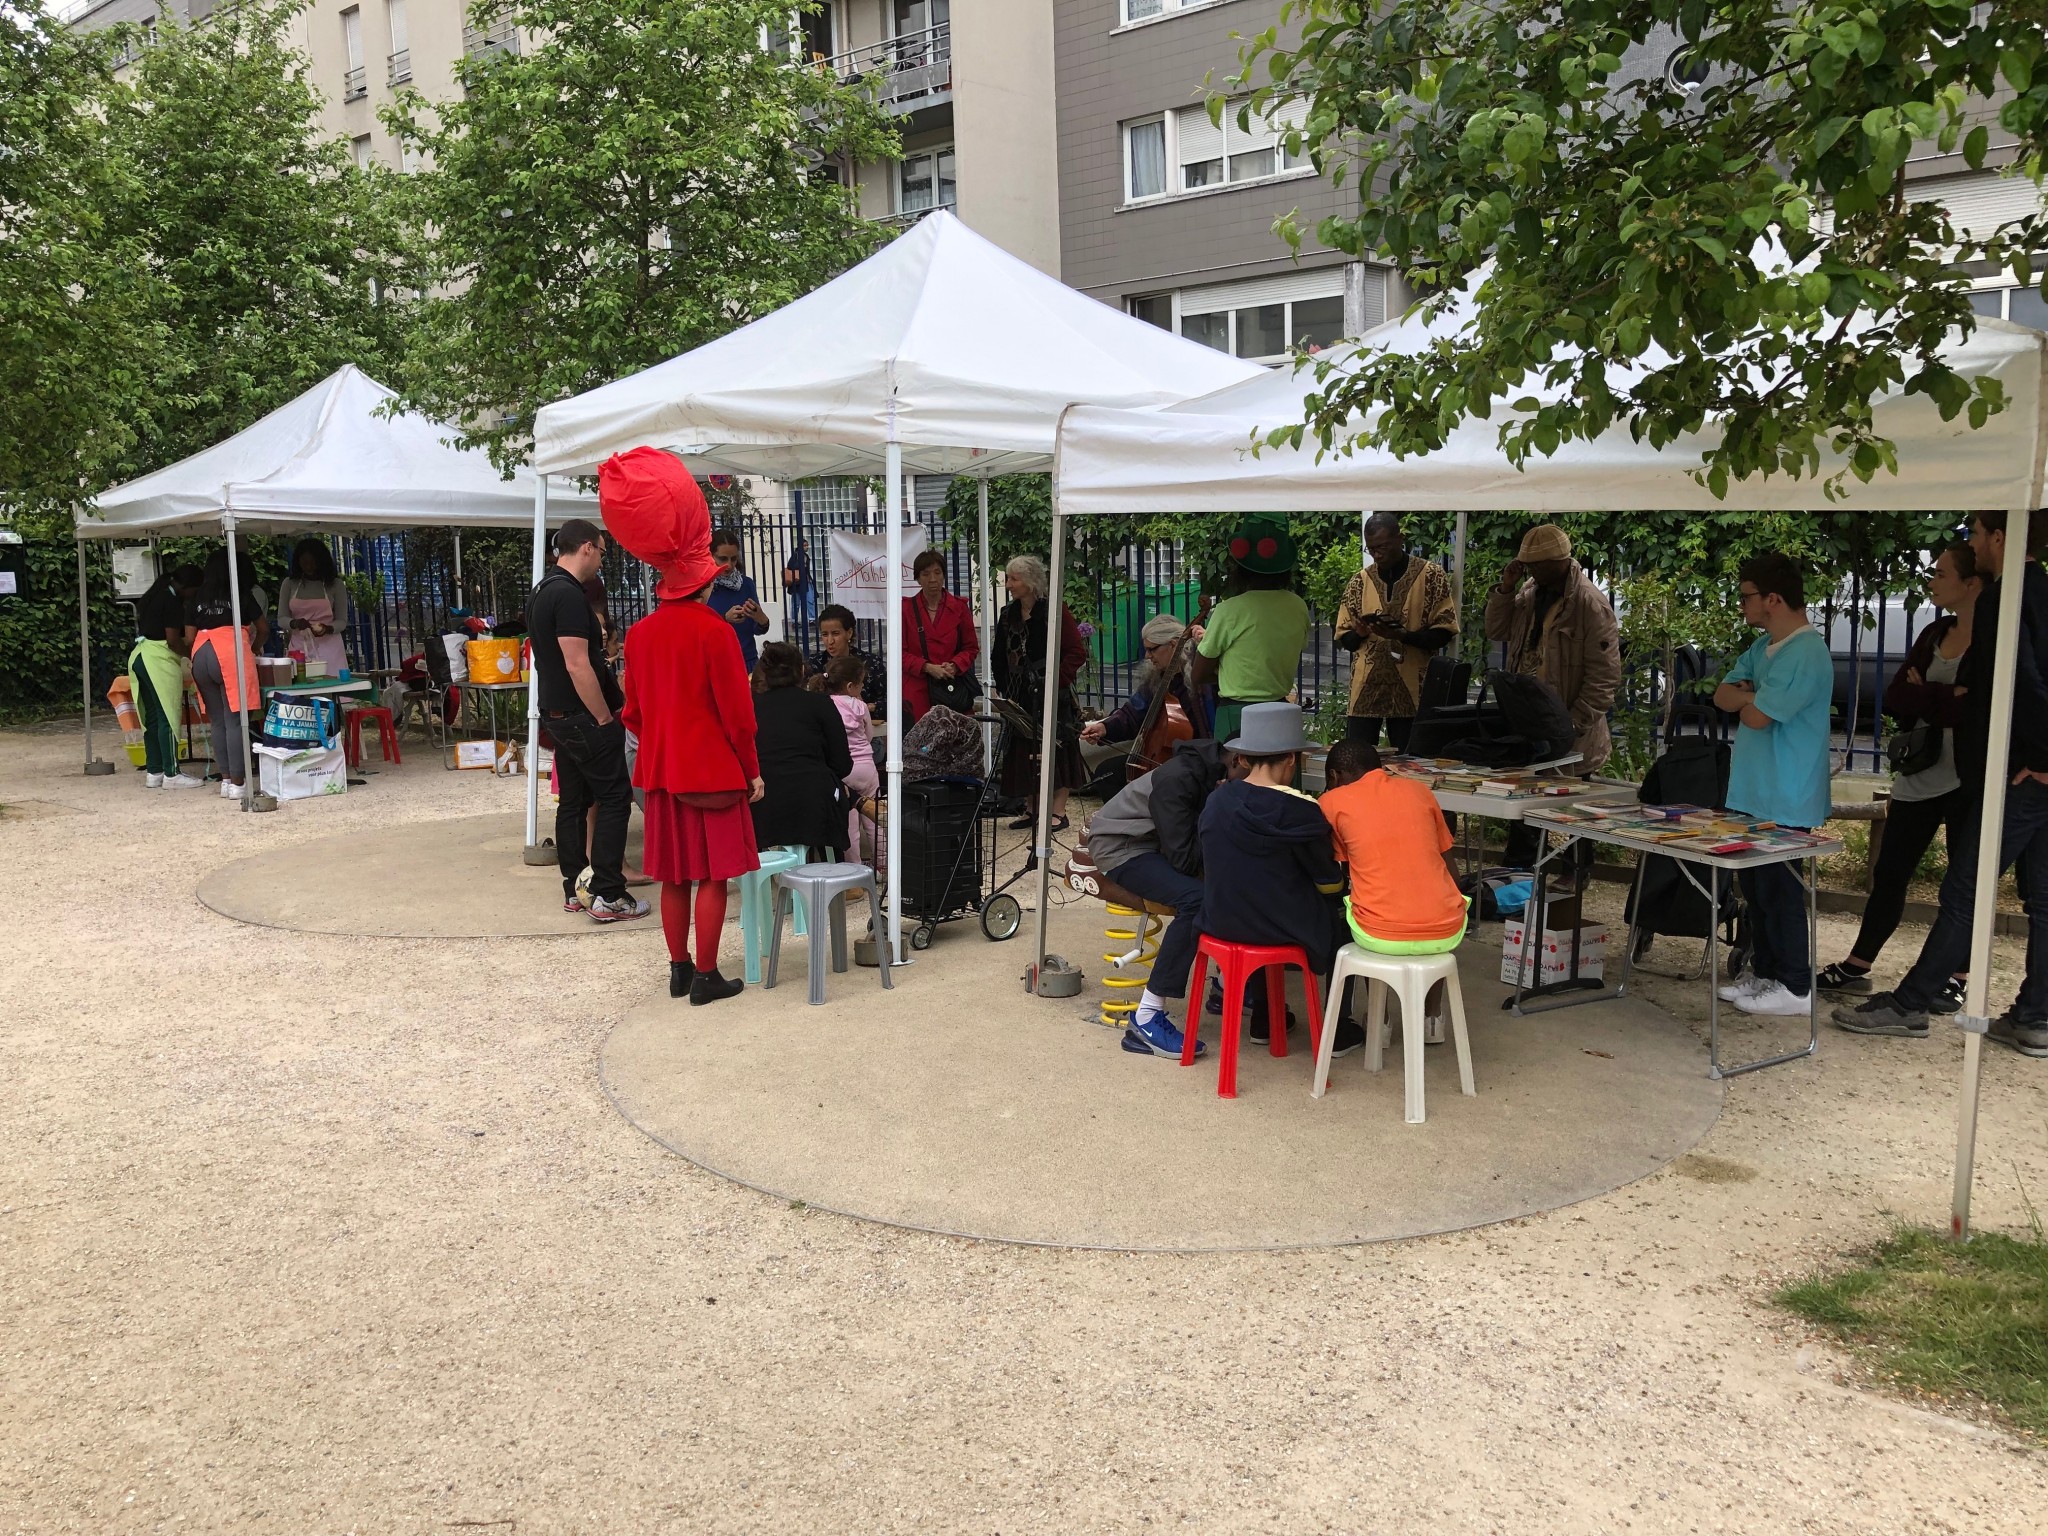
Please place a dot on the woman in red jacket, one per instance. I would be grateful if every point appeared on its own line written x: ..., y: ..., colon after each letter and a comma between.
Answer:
x: 939, y: 643
x: 688, y: 702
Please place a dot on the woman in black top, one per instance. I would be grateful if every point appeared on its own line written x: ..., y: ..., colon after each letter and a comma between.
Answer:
x: 801, y: 742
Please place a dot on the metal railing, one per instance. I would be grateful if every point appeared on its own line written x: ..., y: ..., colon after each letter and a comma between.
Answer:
x: 401, y: 66
x: 907, y: 218
x: 906, y: 69
x: 355, y: 85
x: 499, y: 37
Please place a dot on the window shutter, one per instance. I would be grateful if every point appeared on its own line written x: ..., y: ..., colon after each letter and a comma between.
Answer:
x: 1200, y: 139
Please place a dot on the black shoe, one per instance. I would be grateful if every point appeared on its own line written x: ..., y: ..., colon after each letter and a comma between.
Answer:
x: 1883, y: 1014
x: 1349, y: 1038
x: 1262, y: 1033
x: 709, y: 987
x: 1950, y: 998
x: 1840, y: 980
x: 680, y: 974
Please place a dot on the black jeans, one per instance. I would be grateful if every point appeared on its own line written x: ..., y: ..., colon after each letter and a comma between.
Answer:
x: 1776, y: 897
x: 1153, y: 876
x: 590, y: 759
x: 1366, y: 728
x: 2023, y: 841
x: 1909, y: 828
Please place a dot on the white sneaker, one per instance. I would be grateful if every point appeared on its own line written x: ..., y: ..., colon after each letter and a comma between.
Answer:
x: 229, y: 790
x: 152, y: 781
x: 183, y: 781
x: 1740, y: 987
x: 1433, y: 1029
x: 1773, y: 997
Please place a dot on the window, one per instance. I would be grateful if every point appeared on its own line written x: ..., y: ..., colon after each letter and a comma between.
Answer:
x: 353, y: 85
x: 926, y: 180
x: 2022, y: 306
x: 1182, y: 151
x: 913, y: 16
x: 401, y: 43
x: 361, y: 146
x: 1152, y: 308
x: 1209, y: 330
x: 1145, y: 10
x: 1264, y: 319
x: 409, y: 159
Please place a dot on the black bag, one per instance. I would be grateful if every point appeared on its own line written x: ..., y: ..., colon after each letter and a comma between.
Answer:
x: 1531, y: 708
x: 1692, y: 771
x: 1490, y: 751
x: 955, y: 693
x: 1914, y: 750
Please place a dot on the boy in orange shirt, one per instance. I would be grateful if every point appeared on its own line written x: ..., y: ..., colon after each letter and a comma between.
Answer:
x: 1391, y: 835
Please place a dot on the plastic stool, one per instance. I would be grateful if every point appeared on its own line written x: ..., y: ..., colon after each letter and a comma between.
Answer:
x: 823, y: 888
x: 757, y: 896
x: 352, y: 734
x: 1408, y: 977
x: 1238, y: 963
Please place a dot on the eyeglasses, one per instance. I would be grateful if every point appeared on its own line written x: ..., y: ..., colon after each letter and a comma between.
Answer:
x: 1749, y: 594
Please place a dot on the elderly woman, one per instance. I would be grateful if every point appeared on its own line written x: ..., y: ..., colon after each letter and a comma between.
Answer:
x: 1161, y: 638
x: 1019, y: 664
x: 939, y: 643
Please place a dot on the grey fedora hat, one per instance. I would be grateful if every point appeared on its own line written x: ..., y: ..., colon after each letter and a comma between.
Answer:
x: 1266, y: 730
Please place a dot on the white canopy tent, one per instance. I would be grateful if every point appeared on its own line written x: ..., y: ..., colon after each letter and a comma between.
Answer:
x: 339, y: 459
x: 1198, y: 456
x: 940, y: 354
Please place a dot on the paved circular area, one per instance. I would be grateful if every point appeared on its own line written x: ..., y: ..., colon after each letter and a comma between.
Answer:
x: 958, y: 1104
x: 458, y: 879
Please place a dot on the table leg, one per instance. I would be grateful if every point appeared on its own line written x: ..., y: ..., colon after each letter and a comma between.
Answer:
x: 1532, y: 934
x: 1635, y: 905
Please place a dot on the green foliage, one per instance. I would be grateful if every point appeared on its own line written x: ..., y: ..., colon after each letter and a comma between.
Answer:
x: 635, y: 183
x: 39, y: 629
x: 1945, y: 1320
x: 1623, y: 221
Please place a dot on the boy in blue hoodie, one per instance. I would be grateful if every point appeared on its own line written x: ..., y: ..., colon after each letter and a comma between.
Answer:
x: 1269, y: 867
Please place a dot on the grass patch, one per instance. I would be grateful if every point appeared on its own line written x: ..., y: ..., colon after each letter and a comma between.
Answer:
x: 1944, y: 1320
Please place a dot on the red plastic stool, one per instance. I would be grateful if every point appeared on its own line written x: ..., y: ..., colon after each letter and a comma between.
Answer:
x: 1237, y: 964
x: 352, y: 734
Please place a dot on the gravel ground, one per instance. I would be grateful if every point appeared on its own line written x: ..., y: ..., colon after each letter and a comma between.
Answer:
x: 324, y: 1234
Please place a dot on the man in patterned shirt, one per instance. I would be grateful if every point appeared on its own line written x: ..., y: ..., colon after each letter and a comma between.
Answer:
x: 1397, y: 613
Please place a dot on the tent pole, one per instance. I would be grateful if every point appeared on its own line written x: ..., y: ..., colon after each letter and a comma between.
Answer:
x: 534, y: 853
x: 94, y: 768
x: 984, y: 616
x: 251, y: 780
x: 1460, y: 530
x: 1047, y: 726
x: 458, y: 570
x: 1983, y: 912
x: 893, y: 649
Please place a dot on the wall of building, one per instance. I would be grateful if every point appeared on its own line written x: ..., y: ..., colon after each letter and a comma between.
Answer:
x: 1005, y: 125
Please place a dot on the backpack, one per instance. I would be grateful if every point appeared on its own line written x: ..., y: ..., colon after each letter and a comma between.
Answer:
x: 1532, y: 709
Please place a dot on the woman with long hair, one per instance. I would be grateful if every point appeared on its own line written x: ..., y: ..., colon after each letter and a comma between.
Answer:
x: 312, y: 604
x: 1019, y: 665
x: 688, y: 702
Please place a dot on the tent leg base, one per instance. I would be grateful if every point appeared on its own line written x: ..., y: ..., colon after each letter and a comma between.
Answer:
x: 262, y: 802
x: 539, y: 853
x: 97, y: 769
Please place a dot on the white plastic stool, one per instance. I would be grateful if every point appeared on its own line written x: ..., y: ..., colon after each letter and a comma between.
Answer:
x: 1409, y: 977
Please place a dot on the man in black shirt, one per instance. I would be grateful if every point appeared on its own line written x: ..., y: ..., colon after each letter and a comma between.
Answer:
x: 579, y: 704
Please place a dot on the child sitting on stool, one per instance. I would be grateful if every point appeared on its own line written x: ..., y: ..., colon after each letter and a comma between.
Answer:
x: 1268, y: 875
x: 1391, y: 834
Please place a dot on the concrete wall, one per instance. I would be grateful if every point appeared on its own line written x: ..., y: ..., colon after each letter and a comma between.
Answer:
x: 1006, y: 126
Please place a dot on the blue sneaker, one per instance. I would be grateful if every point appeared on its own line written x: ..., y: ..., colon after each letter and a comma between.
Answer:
x: 1152, y: 1033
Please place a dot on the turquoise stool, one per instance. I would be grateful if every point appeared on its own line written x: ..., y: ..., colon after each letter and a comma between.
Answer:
x: 757, y: 896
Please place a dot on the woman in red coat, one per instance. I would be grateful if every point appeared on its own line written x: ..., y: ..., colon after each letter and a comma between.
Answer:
x: 939, y: 642
x: 689, y: 703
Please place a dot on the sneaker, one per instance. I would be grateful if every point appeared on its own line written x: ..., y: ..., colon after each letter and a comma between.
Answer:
x: 1774, y: 997
x: 1840, y: 979
x: 229, y: 790
x: 1949, y: 999
x: 183, y: 781
x: 1213, y: 1003
x: 2027, y: 1036
x: 1433, y: 1029
x: 152, y: 781
x: 1350, y: 1037
x: 1740, y: 987
x: 1881, y: 1015
x: 571, y: 902
x: 624, y: 910
x: 1152, y: 1033
x: 1262, y: 1032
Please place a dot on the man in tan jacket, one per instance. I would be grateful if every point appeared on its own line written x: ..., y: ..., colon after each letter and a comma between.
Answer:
x: 1559, y: 627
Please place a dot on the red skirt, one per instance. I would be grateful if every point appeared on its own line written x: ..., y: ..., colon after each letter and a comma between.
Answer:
x: 697, y: 842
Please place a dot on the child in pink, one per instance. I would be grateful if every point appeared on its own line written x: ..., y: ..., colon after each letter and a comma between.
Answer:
x: 844, y: 679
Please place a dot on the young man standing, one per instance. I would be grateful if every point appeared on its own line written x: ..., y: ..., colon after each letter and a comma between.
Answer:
x: 1783, y: 690
x: 2024, y: 832
x: 579, y: 705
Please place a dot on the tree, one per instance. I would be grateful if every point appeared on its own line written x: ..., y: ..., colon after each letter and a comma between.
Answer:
x: 78, y: 338
x: 275, y: 260
x: 1625, y: 220
x: 640, y: 180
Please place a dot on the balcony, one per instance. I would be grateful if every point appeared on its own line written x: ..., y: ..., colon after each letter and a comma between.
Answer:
x: 401, y: 66
x: 902, y: 221
x: 354, y: 85
x: 499, y: 37
x: 908, y: 72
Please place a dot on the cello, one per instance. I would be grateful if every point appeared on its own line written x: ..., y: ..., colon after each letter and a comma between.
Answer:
x: 1166, y: 724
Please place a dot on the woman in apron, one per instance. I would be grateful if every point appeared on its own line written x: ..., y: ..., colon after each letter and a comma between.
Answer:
x: 312, y: 605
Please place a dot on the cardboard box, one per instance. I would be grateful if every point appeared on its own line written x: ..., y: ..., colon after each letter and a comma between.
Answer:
x: 300, y: 773
x: 1552, y: 957
x: 473, y: 754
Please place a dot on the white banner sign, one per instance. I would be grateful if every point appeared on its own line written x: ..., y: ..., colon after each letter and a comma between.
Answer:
x: 860, y: 570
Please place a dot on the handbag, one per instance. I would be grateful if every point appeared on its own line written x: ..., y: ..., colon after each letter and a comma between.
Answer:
x: 956, y: 693
x: 1915, y: 749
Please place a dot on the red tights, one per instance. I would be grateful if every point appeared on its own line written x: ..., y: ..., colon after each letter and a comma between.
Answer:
x: 675, y: 920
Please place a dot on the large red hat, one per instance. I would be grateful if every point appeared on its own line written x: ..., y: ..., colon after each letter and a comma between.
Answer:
x: 652, y: 506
